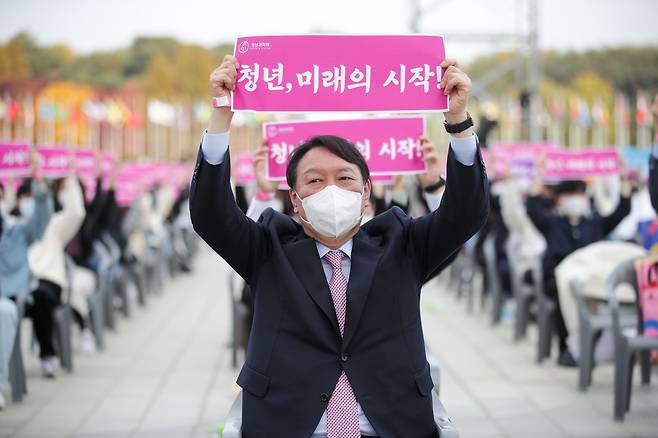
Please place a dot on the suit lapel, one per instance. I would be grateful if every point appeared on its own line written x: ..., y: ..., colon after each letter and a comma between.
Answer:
x: 365, y: 257
x: 303, y: 256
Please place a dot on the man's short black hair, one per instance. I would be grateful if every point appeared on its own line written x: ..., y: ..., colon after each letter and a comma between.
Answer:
x: 337, y: 146
x: 570, y: 187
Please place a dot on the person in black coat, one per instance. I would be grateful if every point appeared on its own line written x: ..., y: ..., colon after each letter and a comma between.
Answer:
x: 571, y: 226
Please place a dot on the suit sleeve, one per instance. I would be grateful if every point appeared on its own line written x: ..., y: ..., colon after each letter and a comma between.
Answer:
x: 216, y: 217
x: 463, y: 210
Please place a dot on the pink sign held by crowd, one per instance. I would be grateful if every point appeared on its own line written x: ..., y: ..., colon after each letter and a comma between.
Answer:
x: 646, y: 270
x: 580, y: 164
x: 54, y: 161
x: 305, y: 73
x: 389, y: 145
x: 14, y: 159
x: 243, y: 169
x: 516, y: 159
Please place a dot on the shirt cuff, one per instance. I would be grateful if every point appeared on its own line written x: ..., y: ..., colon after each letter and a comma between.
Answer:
x: 654, y: 150
x: 214, y: 147
x: 464, y: 148
x: 434, y: 199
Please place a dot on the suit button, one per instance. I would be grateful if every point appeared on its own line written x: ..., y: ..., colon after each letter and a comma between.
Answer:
x: 344, y: 358
x: 324, y: 397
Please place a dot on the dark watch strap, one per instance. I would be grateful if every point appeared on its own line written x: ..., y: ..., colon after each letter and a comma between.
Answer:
x: 459, y: 127
x: 436, y: 186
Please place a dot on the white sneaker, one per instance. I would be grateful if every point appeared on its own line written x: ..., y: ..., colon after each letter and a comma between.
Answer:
x: 87, y: 341
x: 48, y: 367
x: 3, y: 402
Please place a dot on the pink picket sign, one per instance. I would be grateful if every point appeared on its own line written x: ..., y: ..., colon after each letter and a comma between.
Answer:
x: 580, y: 164
x: 646, y: 270
x: 307, y: 73
x: 389, y: 144
x: 517, y: 159
x: 55, y: 161
x: 130, y: 184
x: 85, y: 160
x: 14, y: 160
x: 243, y: 169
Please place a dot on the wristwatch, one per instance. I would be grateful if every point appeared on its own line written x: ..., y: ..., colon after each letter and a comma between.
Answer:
x: 220, y: 101
x: 459, y: 127
x: 436, y: 186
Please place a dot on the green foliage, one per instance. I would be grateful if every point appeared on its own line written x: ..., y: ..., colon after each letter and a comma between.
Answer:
x: 143, y: 50
x: 627, y: 69
x: 100, y: 69
x: 13, y: 61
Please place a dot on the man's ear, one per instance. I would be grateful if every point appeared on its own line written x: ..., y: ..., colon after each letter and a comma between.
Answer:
x: 367, y: 189
x: 293, y: 200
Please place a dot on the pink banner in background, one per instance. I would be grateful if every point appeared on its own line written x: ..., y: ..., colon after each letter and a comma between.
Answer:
x: 389, y: 145
x: 517, y: 159
x: 55, y: 161
x: 305, y: 73
x: 646, y: 270
x: 580, y: 164
x: 243, y: 169
x: 14, y: 159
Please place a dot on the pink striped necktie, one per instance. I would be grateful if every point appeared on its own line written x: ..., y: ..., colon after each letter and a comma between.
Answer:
x: 342, y: 411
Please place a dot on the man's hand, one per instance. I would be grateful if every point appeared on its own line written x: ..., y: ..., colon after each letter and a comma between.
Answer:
x: 433, y: 161
x: 222, y: 81
x: 264, y: 185
x: 456, y: 85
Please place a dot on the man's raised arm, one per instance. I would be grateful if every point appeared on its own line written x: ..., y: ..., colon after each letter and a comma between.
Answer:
x: 215, y: 215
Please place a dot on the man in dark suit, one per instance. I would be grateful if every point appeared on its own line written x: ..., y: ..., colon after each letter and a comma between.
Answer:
x: 336, y: 347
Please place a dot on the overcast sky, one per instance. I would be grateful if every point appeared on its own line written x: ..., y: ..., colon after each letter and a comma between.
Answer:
x: 87, y: 25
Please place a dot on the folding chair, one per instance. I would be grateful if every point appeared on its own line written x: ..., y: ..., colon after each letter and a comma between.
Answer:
x: 590, y: 326
x: 494, y: 286
x: 628, y: 345
x: 17, y: 378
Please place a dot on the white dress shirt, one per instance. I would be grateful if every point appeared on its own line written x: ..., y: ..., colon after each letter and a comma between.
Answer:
x: 214, y: 147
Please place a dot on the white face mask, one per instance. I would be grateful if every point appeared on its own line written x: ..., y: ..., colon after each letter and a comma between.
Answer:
x: 26, y: 207
x: 332, y: 211
x: 574, y: 206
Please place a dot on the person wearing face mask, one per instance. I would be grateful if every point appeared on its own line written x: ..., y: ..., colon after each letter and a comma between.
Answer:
x: 16, y: 235
x: 572, y: 225
x: 47, y: 261
x: 336, y: 347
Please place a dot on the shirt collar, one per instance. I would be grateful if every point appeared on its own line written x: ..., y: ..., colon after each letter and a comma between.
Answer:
x: 346, y: 248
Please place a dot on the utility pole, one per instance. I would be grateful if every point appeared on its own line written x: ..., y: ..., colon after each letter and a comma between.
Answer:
x: 528, y: 58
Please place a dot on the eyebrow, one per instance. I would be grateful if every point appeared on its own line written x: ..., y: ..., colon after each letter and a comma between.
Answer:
x: 342, y: 169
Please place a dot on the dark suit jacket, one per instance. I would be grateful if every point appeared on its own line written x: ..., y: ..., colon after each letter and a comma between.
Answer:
x: 295, y: 353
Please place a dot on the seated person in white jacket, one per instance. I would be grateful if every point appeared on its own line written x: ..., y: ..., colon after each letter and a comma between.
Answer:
x: 47, y: 261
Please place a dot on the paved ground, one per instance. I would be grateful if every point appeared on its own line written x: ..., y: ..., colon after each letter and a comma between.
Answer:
x: 166, y: 373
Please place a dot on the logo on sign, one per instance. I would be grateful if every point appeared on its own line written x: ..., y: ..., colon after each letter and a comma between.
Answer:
x: 271, y: 131
x: 244, y: 46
